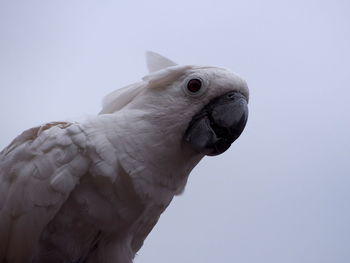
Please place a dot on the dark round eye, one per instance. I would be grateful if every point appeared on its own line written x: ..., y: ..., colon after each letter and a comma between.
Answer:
x: 194, y: 85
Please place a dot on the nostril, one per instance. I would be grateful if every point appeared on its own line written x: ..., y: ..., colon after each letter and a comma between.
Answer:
x: 234, y: 95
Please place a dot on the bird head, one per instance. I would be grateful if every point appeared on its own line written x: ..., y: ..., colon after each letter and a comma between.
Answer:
x: 206, y: 106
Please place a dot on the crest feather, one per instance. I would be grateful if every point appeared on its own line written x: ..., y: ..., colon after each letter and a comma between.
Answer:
x: 162, y: 71
x: 156, y: 62
x: 119, y: 98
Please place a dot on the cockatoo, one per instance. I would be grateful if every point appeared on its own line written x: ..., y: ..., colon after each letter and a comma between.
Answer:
x: 92, y: 191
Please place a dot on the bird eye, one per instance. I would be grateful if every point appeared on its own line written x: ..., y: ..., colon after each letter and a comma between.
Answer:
x: 194, y: 85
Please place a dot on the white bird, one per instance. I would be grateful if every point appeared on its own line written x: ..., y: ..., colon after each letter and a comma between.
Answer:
x: 92, y: 191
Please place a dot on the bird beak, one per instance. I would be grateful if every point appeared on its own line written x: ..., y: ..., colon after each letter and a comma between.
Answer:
x: 218, y: 124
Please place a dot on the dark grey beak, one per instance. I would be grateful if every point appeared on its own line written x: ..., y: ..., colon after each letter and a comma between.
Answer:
x: 218, y: 124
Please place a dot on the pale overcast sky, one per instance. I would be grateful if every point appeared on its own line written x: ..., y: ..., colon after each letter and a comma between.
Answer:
x: 281, y: 193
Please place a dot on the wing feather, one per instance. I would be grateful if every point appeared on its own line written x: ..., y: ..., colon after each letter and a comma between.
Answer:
x: 39, y: 169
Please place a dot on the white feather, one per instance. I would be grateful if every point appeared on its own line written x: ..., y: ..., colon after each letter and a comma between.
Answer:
x: 118, y: 99
x: 157, y: 62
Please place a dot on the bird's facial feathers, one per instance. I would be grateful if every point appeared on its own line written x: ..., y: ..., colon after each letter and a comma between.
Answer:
x: 211, y: 102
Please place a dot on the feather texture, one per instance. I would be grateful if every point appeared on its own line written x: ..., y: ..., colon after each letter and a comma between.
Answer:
x: 36, y: 179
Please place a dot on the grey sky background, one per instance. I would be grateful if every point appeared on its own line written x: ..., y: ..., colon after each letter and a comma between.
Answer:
x: 281, y: 193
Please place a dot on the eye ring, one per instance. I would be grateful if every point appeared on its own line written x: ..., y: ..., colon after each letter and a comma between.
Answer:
x: 194, y: 85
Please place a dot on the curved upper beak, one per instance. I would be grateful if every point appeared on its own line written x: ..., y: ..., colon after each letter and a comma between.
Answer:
x: 218, y: 124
